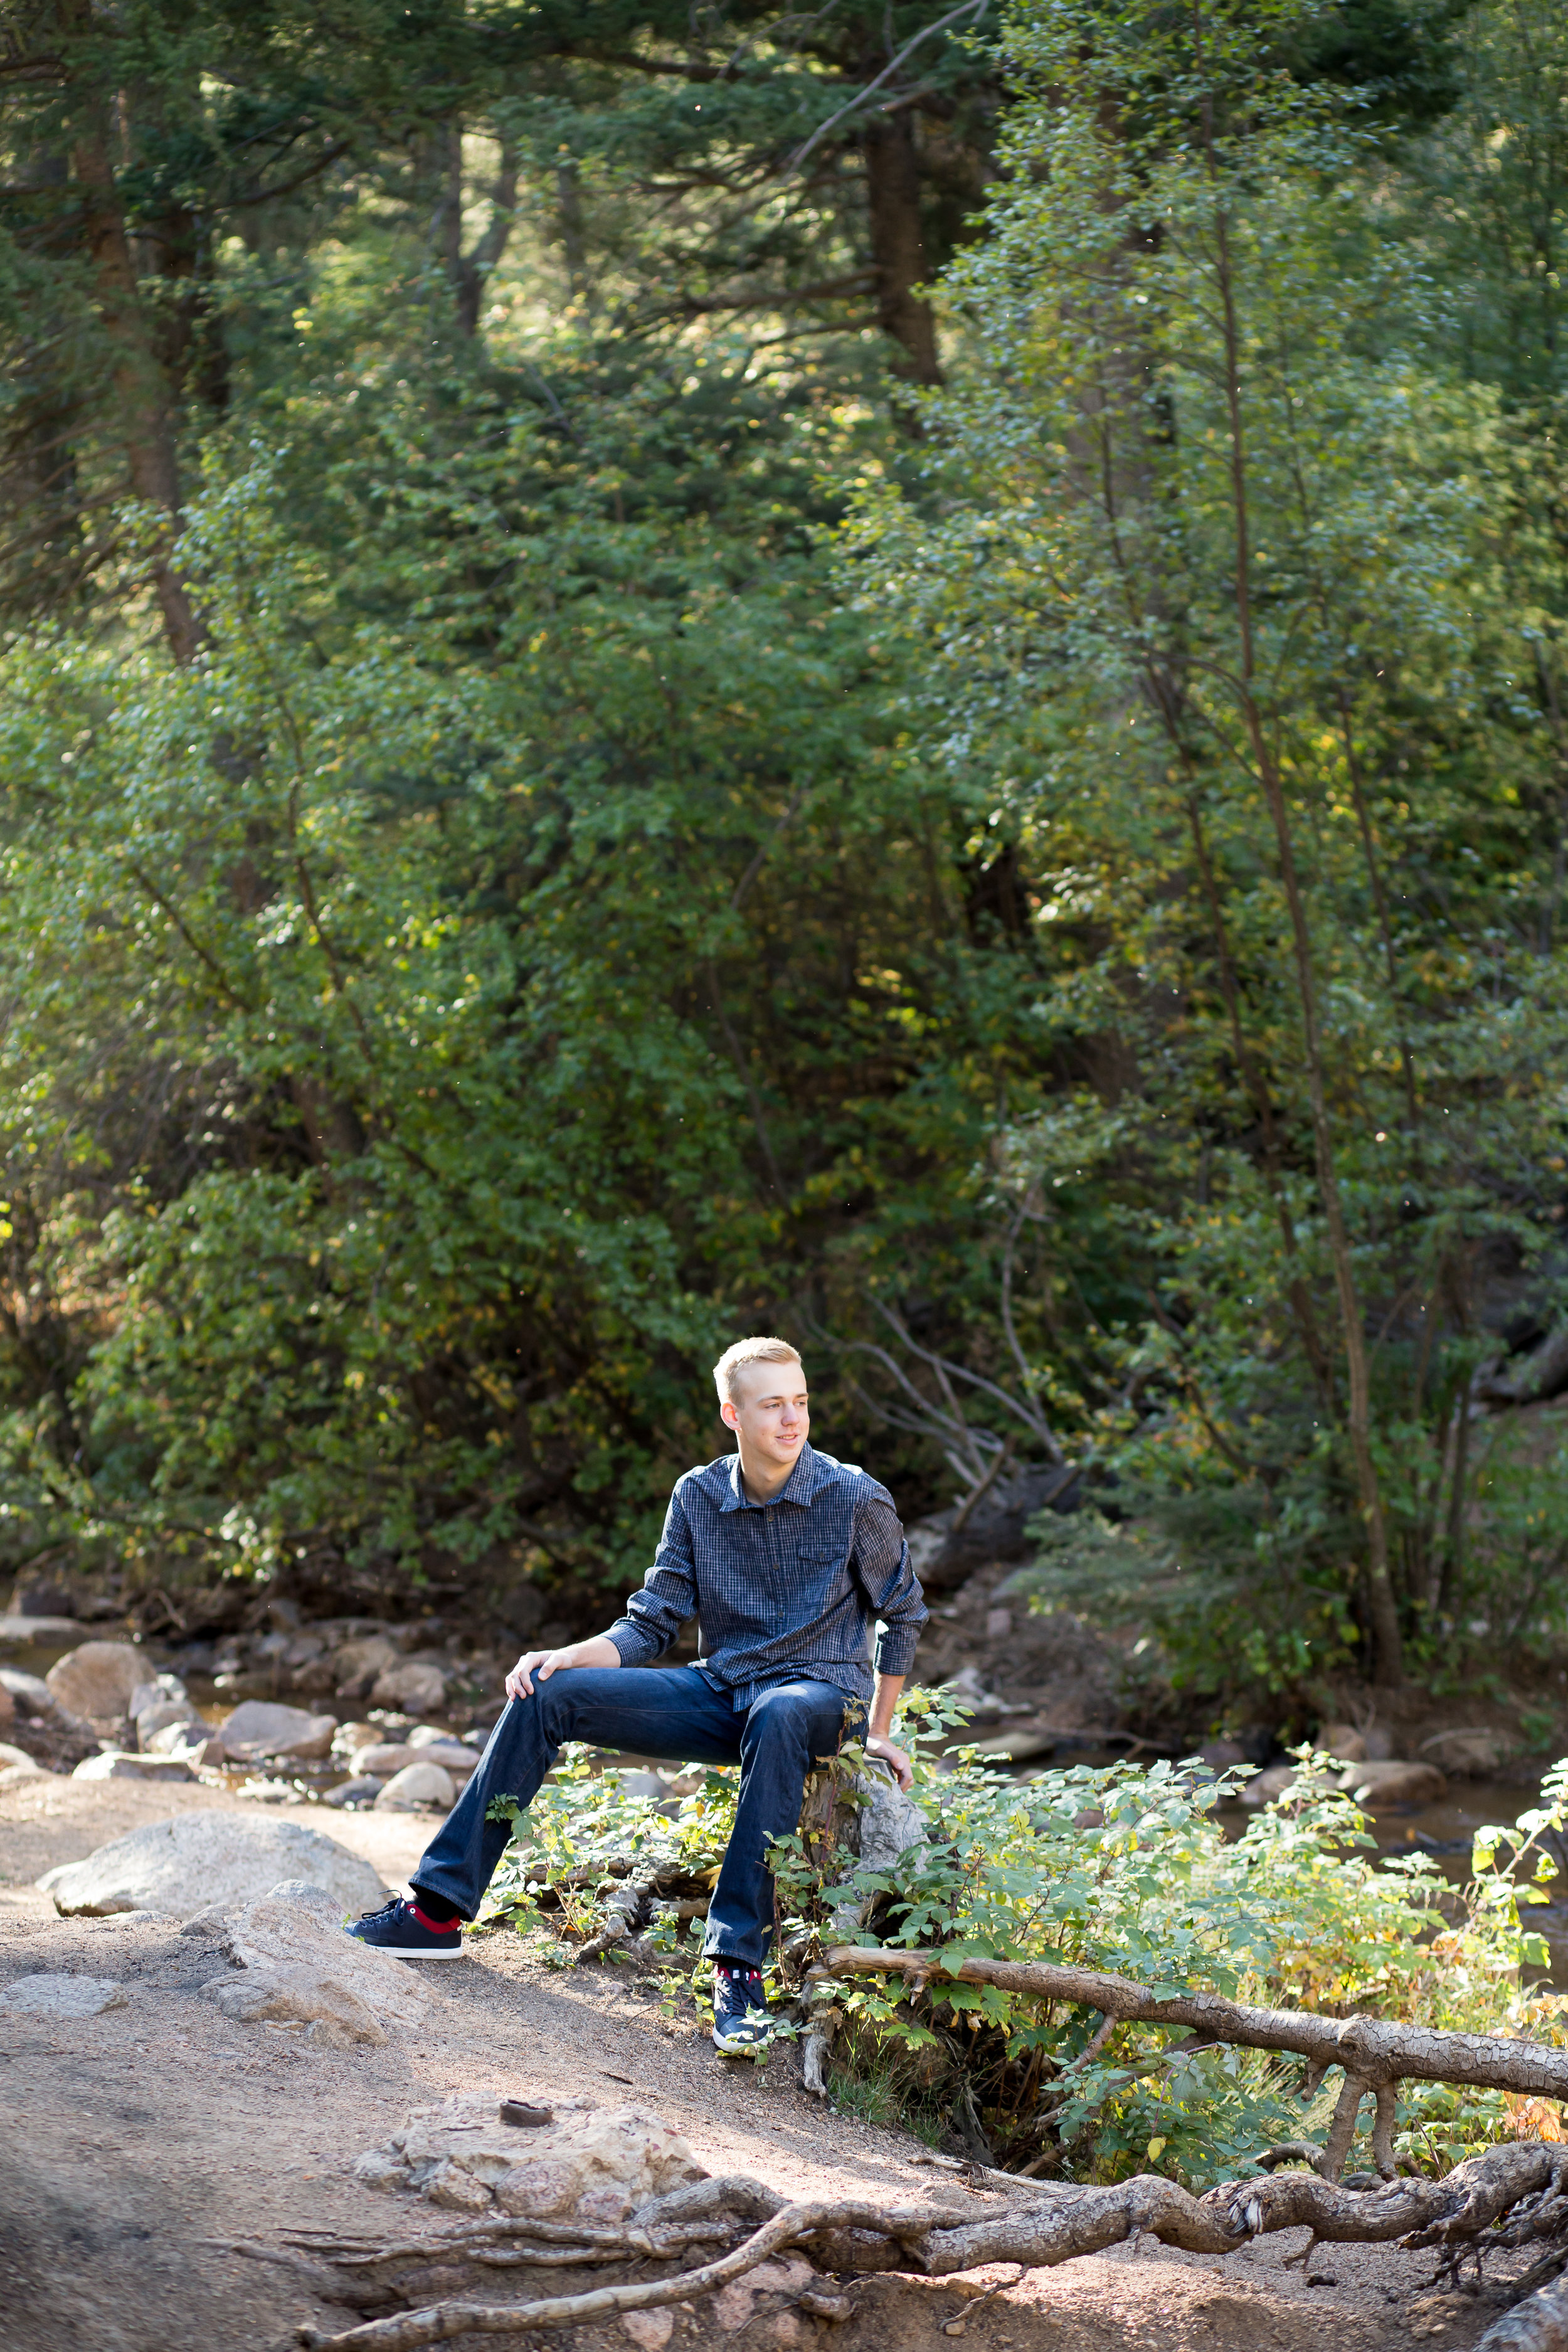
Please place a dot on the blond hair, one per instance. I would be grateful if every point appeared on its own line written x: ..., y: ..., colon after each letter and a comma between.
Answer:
x: 749, y: 1351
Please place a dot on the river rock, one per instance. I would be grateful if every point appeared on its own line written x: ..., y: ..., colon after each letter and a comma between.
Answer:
x: 598, y: 2163
x: 392, y: 1755
x: 124, y: 1764
x: 1284, y: 1780
x: 1394, y: 1782
x: 17, y: 1758
x: 298, y: 1966
x: 361, y: 1789
x: 21, y: 1776
x: 416, y: 1687
x: 358, y: 1665
x: 47, y: 1996
x: 416, y: 1787
x: 261, y: 1727
x: 7, y: 1709
x: 350, y: 1737
x: 1469, y: 1750
x: 41, y: 1596
x: 195, y: 1740
x: 1343, y: 1742
x: 163, y: 1715
x: 34, y: 1633
x: 179, y: 1867
x: 32, y: 1694
x: 97, y: 1680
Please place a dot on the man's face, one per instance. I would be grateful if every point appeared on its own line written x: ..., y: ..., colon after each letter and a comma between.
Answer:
x: 771, y: 1414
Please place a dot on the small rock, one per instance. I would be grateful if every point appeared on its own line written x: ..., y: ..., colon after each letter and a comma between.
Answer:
x: 416, y: 1687
x: 31, y: 1693
x: 362, y: 1789
x: 416, y: 1787
x: 358, y: 1665
x: 7, y: 1709
x: 260, y: 1728
x: 998, y: 1624
x: 350, y: 1737
x: 19, y: 1776
x: 1342, y: 1740
x: 164, y: 1714
x: 195, y: 1740
x: 456, y: 2190
x: 1283, y: 1780
x: 46, y: 1996
x: 649, y: 2330
x: 791, y: 2275
x: 1394, y: 1782
x: 123, y: 1764
x: 97, y: 1680
x: 184, y: 1865
x: 19, y: 1758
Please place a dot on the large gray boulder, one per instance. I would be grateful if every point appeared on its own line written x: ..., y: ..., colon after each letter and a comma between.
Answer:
x: 180, y: 1867
x: 891, y: 1822
x: 99, y: 1680
x: 261, y: 1727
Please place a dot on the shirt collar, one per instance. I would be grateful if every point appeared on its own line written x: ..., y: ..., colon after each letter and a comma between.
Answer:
x: 798, y: 1487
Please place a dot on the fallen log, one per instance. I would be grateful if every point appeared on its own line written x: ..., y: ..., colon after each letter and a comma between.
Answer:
x: 1375, y: 2055
x: 934, y: 2241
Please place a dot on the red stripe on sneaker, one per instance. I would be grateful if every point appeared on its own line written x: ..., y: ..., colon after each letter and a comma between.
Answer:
x: 437, y: 1927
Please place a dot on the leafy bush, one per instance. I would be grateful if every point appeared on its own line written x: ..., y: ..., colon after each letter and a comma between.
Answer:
x: 1124, y: 1867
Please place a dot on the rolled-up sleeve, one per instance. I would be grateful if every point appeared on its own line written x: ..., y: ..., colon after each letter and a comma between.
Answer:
x: 887, y: 1576
x: 665, y: 1598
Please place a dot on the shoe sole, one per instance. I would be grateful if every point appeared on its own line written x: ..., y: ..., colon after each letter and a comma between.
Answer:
x: 758, y: 2049
x: 412, y: 1951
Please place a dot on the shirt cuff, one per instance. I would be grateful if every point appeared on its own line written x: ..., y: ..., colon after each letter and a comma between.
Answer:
x: 896, y: 1647
x: 637, y: 1645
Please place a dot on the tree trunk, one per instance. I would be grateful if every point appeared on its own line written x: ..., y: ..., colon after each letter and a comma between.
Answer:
x: 1383, y: 1607
x: 898, y: 248
x: 140, y: 386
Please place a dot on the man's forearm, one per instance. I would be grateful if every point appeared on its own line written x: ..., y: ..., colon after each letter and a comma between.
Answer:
x: 884, y: 1698
x: 597, y: 1650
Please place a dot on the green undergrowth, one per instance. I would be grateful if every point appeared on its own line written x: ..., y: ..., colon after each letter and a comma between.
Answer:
x: 1123, y: 1867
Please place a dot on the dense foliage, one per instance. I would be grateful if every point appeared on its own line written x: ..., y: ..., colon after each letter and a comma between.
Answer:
x: 1124, y: 1869
x: 898, y: 676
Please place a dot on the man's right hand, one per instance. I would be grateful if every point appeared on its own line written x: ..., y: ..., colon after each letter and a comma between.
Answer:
x: 599, y: 1652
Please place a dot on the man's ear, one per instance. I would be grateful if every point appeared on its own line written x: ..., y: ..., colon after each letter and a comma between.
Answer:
x: 728, y: 1414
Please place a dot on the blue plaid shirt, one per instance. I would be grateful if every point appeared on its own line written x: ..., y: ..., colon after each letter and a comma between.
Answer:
x: 782, y: 1588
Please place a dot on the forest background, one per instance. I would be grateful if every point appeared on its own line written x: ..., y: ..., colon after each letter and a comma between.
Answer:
x: 895, y: 674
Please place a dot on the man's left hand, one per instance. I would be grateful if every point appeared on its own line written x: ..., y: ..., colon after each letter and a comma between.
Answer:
x: 903, y: 1771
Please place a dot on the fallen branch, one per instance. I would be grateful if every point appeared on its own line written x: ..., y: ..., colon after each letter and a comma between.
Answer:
x: 1455, y: 2214
x: 1375, y: 2055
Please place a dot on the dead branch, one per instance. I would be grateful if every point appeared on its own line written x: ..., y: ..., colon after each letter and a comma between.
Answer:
x: 406, y: 2331
x: 1375, y: 2055
x: 1055, y: 2226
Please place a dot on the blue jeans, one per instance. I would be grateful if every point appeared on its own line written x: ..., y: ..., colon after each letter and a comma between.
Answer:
x: 674, y: 1713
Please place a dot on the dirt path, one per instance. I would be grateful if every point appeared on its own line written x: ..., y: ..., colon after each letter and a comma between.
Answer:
x: 138, y: 2143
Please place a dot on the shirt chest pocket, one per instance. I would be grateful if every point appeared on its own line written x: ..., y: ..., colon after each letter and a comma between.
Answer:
x: 816, y: 1555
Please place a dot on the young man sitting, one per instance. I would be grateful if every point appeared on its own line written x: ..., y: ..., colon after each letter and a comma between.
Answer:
x: 788, y: 1557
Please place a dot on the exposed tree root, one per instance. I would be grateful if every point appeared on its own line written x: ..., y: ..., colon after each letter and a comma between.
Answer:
x: 1375, y: 2056
x: 1526, y: 2180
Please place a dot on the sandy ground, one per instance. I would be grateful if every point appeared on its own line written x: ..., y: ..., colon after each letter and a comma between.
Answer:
x: 138, y: 2146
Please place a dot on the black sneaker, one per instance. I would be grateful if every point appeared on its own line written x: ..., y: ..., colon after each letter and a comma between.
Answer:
x: 741, y: 2026
x: 401, y: 1931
